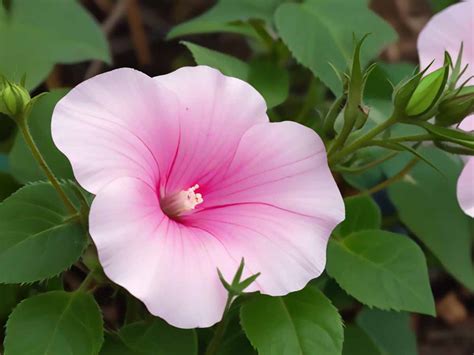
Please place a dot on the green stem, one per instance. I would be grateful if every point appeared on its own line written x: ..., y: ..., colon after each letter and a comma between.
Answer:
x: 25, y: 131
x: 361, y: 169
x: 86, y: 283
x: 360, y: 142
x: 414, y: 138
x: 393, y: 179
x: 220, y: 330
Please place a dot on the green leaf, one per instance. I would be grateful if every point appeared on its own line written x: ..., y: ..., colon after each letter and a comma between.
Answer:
x: 56, y: 322
x: 357, y: 342
x: 22, y: 164
x: 202, y: 26
x: 37, y: 34
x: 428, y: 206
x: 151, y: 338
x: 217, y: 19
x: 37, y: 240
x: 427, y: 92
x: 227, y: 64
x: 390, y: 331
x: 320, y: 32
x: 269, y: 79
x: 303, y: 322
x: 364, y: 261
x: 362, y: 213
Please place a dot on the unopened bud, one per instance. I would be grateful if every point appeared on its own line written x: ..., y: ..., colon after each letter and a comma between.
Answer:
x: 453, y: 109
x: 428, y: 92
x: 13, y: 99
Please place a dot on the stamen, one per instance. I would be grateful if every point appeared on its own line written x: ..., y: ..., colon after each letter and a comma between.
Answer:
x: 181, y: 202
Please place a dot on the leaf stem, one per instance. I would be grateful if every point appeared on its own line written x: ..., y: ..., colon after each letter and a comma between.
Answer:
x: 213, y: 346
x: 363, y: 168
x: 413, y: 138
x: 25, y: 131
x: 86, y: 282
x: 361, y: 141
x: 392, y: 179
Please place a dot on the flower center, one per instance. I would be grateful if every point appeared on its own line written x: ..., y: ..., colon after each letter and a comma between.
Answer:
x: 181, y: 202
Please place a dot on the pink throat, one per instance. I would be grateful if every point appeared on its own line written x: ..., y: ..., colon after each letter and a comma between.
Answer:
x: 182, y: 202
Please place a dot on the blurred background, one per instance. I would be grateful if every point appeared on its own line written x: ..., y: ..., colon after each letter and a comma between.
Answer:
x: 137, y: 35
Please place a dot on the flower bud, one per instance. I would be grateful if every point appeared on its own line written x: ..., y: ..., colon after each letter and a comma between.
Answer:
x: 427, y: 92
x: 13, y: 99
x: 453, y: 109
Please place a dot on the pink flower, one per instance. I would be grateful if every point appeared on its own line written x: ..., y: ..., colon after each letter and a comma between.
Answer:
x: 446, y: 31
x: 465, y: 186
x: 190, y: 176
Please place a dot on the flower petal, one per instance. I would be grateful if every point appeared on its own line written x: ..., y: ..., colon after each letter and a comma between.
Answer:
x: 216, y: 110
x: 465, y: 188
x: 276, y: 206
x: 170, y: 267
x: 113, y: 125
x: 446, y: 31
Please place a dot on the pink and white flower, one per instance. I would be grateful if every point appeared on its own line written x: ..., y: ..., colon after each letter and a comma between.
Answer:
x: 465, y: 186
x: 190, y: 176
x: 445, y: 32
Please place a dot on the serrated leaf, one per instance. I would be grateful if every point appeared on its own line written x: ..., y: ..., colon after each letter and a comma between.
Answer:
x: 37, y: 238
x: 219, y: 18
x: 22, y: 164
x: 427, y: 204
x: 363, y: 261
x: 303, y: 322
x: 362, y: 213
x: 151, y: 338
x: 271, y: 81
x: 56, y: 322
x: 319, y: 32
x: 390, y: 331
x: 51, y: 32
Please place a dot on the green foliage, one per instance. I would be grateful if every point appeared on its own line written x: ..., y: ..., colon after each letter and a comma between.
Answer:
x: 55, y: 323
x: 222, y: 17
x: 362, y: 213
x: 150, y: 338
x: 428, y: 206
x: 319, y: 33
x: 40, y: 33
x: 364, y: 260
x: 357, y: 342
x: 22, y: 164
x: 304, y: 322
x: 389, y: 331
x: 270, y: 80
x: 37, y: 237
